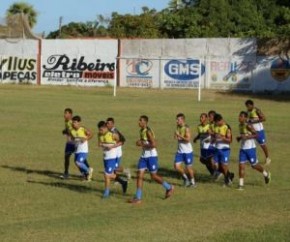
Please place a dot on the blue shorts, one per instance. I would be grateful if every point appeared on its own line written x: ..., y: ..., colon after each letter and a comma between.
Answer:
x: 149, y: 163
x: 261, y: 138
x: 69, y: 148
x: 206, y: 153
x: 81, y: 157
x: 118, y: 161
x: 248, y: 155
x: 187, y: 158
x: 222, y: 156
x: 110, y: 166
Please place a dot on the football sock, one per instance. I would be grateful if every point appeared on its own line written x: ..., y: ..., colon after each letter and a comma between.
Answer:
x: 166, y: 185
x: 138, y: 193
x: 241, y: 182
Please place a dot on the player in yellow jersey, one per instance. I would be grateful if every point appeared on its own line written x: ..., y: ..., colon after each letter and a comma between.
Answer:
x: 184, y: 152
x: 222, y: 139
x: 148, y: 160
x: 248, y: 150
x: 109, y: 142
x: 80, y: 136
x: 111, y: 126
x: 256, y: 117
x: 69, y: 146
x: 204, y: 135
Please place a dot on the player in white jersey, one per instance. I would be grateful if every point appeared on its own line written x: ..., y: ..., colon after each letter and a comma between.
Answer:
x: 80, y: 136
x: 111, y: 126
x: 256, y: 117
x: 248, y: 150
x: 184, y: 152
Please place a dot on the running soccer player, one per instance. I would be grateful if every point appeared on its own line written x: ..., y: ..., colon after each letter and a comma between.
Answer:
x: 256, y: 118
x: 184, y: 152
x: 109, y: 142
x: 111, y: 126
x: 148, y: 161
x: 222, y: 139
x: 80, y: 136
x: 248, y: 150
x: 204, y: 135
x: 69, y: 146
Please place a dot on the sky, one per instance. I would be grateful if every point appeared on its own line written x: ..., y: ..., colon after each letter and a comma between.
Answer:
x: 50, y: 11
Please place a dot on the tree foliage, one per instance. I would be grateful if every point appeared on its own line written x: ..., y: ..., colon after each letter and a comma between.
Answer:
x: 194, y: 19
x: 25, y: 8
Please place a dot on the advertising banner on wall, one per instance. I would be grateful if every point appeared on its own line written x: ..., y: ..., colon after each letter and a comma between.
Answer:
x: 18, y: 61
x: 79, y: 62
x: 136, y: 72
x: 18, y: 69
x: 272, y: 73
x: 230, y: 73
x: 182, y: 73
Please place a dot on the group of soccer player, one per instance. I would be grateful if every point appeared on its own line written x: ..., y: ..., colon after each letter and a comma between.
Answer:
x: 215, y: 137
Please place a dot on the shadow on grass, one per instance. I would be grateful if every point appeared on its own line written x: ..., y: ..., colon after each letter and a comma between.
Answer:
x: 47, y: 173
x: 81, y: 188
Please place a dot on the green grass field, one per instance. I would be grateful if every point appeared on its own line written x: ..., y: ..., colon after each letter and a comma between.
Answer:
x: 35, y: 205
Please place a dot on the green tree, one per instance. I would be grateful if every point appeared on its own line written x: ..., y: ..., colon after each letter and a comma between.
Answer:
x: 25, y: 8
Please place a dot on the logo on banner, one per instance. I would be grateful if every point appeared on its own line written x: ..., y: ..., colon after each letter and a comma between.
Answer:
x: 139, y: 67
x: 280, y: 69
x: 138, y: 73
x: 184, y: 70
x: 62, y: 67
x: 18, y: 69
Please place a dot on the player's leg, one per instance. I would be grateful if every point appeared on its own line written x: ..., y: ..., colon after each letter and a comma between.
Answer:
x: 261, y: 139
x: 79, y: 161
x: 224, y: 165
x: 109, y: 167
x: 69, y: 149
x: 152, y: 166
x: 255, y: 165
x: 142, y: 166
x: 242, y: 165
x: 179, y: 168
x: 188, y: 161
x: 118, y: 178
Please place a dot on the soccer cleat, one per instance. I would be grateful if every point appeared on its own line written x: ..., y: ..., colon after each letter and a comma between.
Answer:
x: 64, y: 176
x: 124, y: 187
x: 169, y: 192
x: 268, y: 161
x: 186, y: 182
x: 218, y: 176
x: 268, y: 178
x: 135, y: 201
x: 240, y: 188
x: 90, y: 175
x: 127, y: 173
x: 232, y: 175
x: 192, y: 185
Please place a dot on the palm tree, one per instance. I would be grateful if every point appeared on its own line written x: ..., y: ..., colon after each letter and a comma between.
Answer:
x: 26, y: 9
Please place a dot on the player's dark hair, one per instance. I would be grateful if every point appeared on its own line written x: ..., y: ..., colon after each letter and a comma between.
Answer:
x: 180, y: 115
x: 203, y: 115
x: 217, y: 117
x: 76, y: 118
x: 144, y: 117
x: 101, y: 124
x: 110, y: 119
x: 243, y: 113
x: 249, y: 102
x: 211, y: 112
x: 68, y: 110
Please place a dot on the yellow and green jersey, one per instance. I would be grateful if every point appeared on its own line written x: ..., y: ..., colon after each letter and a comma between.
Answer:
x: 254, y: 117
x: 221, y: 131
x: 248, y: 143
x: 78, y: 136
x: 146, y: 153
x: 184, y: 147
x: 204, y: 135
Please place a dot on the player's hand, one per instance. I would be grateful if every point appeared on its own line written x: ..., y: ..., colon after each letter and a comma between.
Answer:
x: 139, y: 143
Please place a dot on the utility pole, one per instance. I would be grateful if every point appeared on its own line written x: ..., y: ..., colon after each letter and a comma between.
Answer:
x: 60, y: 26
